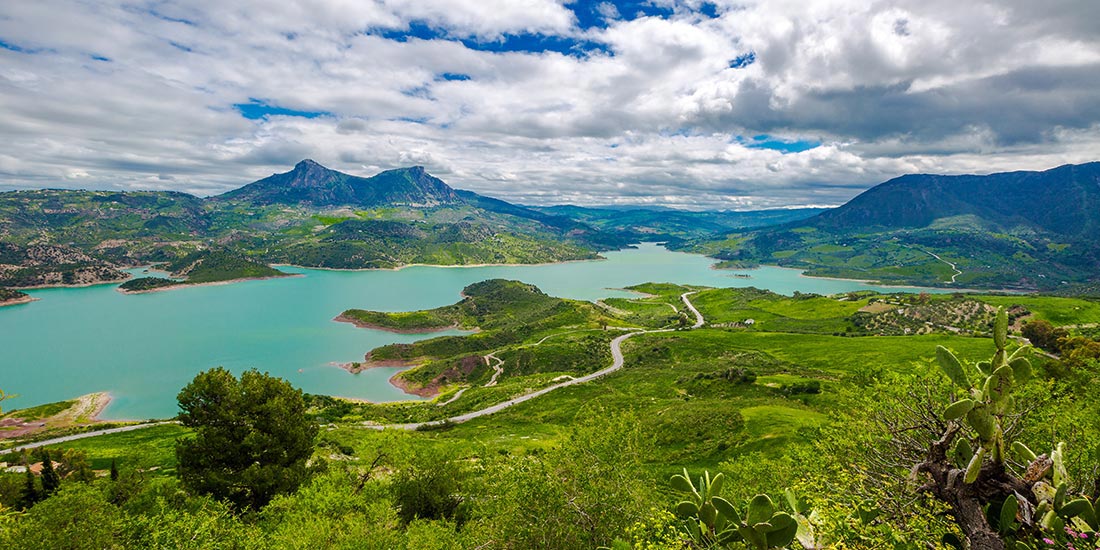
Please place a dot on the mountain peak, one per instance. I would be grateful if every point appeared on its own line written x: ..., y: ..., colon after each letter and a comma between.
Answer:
x: 310, y: 183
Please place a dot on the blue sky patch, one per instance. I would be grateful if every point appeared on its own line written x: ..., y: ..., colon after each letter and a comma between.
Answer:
x: 412, y: 120
x: 589, y: 15
x: 527, y: 42
x: 257, y: 109
x: 743, y: 60
x: 4, y: 44
x: 453, y: 76
x: 161, y: 16
x: 179, y: 46
x: 784, y: 146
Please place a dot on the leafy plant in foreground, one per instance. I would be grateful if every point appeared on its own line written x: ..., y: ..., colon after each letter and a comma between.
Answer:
x: 712, y: 519
x: 967, y: 467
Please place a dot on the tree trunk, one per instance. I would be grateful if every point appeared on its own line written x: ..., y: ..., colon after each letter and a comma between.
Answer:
x: 968, y: 513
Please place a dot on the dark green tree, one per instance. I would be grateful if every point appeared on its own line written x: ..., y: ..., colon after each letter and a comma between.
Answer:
x: 114, y: 470
x: 1044, y: 335
x: 252, y: 437
x: 51, y: 480
x: 429, y: 488
x: 29, y: 495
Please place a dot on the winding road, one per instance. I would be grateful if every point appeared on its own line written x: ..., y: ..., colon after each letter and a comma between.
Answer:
x: 957, y: 271
x: 616, y: 364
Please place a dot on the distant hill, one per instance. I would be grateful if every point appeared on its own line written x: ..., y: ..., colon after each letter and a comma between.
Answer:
x: 659, y: 223
x: 311, y: 184
x: 1025, y: 230
x: 1064, y: 200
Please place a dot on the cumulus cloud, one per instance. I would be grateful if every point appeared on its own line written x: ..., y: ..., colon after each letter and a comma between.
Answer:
x: 523, y: 100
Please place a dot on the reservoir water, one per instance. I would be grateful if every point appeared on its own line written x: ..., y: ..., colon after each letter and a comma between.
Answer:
x: 143, y: 348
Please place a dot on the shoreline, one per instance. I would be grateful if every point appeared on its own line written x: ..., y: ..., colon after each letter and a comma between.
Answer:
x: 211, y: 283
x: 356, y: 367
x: 86, y: 410
x: 372, y: 326
x: 451, y: 266
x: 425, y: 392
x: 873, y: 282
x: 82, y: 285
x: 19, y: 301
x: 100, y: 401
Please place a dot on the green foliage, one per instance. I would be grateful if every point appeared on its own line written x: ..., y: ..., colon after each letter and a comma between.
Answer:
x: 51, y: 480
x: 989, y: 402
x: 580, y: 494
x: 429, y: 487
x: 77, y: 517
x: 1043, y: 335
x: 29, y: 494
x: 251, y: 439
x: 143, y: 284
x: 711, y: 519
x: 210, y: 266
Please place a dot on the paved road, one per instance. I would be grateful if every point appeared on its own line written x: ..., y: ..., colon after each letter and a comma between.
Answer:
x: 74, y: 437
x: 616, y: 364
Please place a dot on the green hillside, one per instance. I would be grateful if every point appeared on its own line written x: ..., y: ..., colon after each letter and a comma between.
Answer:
x: 1022, y: 230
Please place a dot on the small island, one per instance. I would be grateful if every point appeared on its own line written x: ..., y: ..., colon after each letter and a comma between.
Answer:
x: 203, y: 267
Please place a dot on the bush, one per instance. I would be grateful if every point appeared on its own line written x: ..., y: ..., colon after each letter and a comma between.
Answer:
x: 252, y: 437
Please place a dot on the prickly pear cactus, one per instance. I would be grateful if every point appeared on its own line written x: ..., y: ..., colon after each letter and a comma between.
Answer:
x: 987, y: 387
x: 712, y: 520
x: 988, y: 398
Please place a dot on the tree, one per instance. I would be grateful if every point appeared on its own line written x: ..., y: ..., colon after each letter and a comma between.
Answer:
x: 51, y: 480
x: 429, y: 488
x: 252, y: 437
x: 29, y: 495
x: 1043, y: 335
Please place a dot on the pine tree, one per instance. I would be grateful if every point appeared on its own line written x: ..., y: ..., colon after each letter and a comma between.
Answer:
x: 114, y: 470
x: 51, y: 481
x: 29, y: 495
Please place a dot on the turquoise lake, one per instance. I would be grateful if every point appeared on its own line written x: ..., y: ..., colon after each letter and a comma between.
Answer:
x: 143, y: 348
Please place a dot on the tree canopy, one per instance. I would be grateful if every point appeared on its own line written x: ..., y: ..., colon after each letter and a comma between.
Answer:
x: 251, y: 440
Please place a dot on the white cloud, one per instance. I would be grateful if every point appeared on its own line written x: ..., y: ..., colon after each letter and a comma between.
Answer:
x: 888, y: 87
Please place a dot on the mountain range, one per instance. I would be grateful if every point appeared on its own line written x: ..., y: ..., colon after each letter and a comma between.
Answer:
x: 315, y: 217
x: 1022, y: 230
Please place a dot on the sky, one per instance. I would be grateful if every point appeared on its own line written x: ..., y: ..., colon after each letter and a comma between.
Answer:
x: 721, y: 104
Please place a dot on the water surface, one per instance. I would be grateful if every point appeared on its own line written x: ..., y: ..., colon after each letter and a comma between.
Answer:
x: 143, y: 348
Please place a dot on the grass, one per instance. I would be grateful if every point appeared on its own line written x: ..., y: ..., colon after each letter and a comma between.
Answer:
x: 144, y: 449
x: 1059, y: 311
x: 41, y: 411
